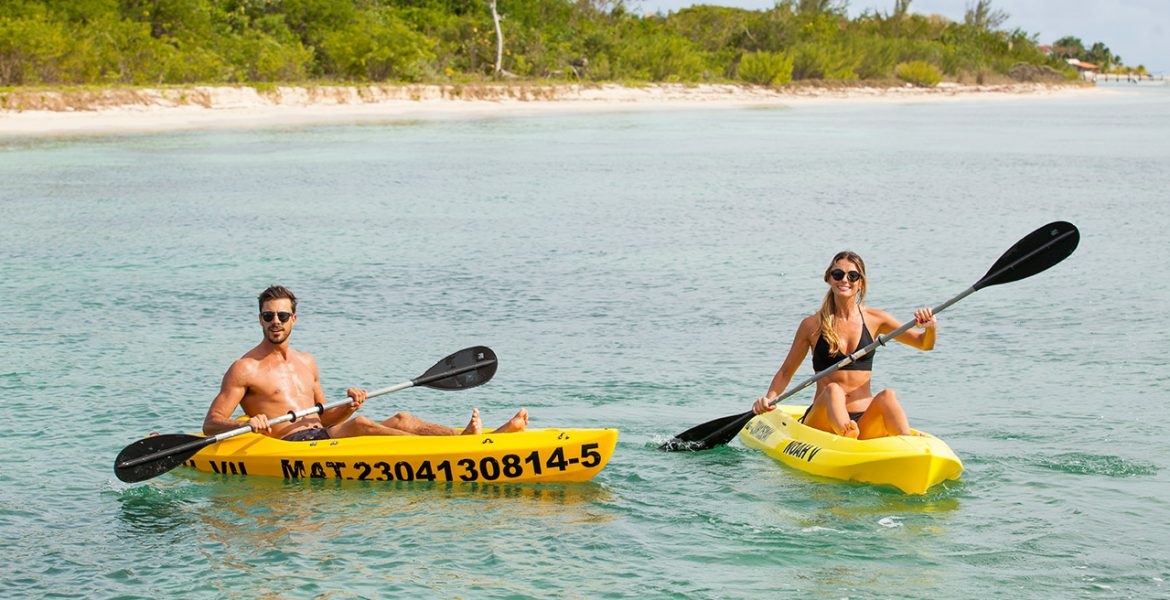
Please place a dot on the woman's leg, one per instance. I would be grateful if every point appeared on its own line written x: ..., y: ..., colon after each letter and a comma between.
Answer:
x: 828, y: 412
x: 884, y: 417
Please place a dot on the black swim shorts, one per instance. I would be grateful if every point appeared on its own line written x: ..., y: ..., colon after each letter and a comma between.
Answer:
x: 306, y: 435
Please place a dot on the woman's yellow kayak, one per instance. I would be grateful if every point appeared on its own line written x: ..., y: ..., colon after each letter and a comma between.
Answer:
x: 910, y: 463
x: 536, y: 455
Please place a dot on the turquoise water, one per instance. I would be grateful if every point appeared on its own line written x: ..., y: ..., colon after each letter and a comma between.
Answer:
x: 640, y: 270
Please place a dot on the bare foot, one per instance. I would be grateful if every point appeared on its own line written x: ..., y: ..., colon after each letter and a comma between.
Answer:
x: 516, y: 424
x: 851, y: 430
x: 474, y: 426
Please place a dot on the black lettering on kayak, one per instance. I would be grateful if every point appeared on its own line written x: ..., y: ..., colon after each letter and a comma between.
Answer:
x: 534, y: 460
x: 511, y: 464
x: 316, y: 471
x: 590, y: 457
x: 489, y: 468
x: 337, y: 467
x: 470, y: 473
x: 760, y: 430
x: 225, y: 467
x: 557, y: 460
x: 801, y: 450
x: 425, y: 471
x: 292, y: 469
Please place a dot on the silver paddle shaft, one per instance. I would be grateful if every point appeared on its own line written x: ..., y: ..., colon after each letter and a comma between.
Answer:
x: 315, y: 409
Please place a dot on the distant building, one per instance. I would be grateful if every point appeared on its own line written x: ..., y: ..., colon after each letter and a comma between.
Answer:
x: 1087, y: 70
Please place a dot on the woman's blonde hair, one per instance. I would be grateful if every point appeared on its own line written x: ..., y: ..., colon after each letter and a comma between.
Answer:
x: 829, y: 306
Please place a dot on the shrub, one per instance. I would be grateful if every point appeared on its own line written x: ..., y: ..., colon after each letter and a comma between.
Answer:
x: 765, y: 68
x: 1030, y: 72
x: 815, y: 61
x: 919, y: 73
x: 658, y: 58
x: 377, y: 47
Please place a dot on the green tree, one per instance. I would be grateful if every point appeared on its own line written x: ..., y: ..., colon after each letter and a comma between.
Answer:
x: 982, y: 17
x: 1068, y: 47
x: 1100, y: 55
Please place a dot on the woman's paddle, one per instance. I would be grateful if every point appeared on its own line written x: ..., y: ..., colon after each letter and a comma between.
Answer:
x: 1038, y: 251
x: 153, y: 456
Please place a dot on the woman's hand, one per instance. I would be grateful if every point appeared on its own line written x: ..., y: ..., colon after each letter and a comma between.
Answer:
x: 761, y: 405
x: 924, y: 318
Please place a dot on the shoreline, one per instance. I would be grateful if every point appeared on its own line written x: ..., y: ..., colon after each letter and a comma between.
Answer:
x: 47, y: 113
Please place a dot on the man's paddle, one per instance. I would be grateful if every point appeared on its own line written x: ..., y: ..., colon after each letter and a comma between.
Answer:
x: 153, y: 456
x: 1038, y: 251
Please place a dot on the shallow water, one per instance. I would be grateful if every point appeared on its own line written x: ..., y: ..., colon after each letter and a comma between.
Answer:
x: 640, y: 270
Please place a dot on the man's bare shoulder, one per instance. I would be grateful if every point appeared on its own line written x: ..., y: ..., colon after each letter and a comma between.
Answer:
x: 305, y: 356
x: 243, y: 368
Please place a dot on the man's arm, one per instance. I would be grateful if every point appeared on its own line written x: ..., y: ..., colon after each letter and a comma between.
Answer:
x: 231, y: 392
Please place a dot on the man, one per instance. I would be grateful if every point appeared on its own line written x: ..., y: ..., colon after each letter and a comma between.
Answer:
x: 273, y: 379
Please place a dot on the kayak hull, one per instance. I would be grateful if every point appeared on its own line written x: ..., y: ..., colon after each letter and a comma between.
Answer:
x: 536, y: 455
x: 910, y: 463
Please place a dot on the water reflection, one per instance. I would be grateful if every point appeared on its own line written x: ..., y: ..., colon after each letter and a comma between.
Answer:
x: 270, y: 511
x: 401, y: 536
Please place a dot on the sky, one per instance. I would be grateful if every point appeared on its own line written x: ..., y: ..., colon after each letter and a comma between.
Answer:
x: 1136, y: 30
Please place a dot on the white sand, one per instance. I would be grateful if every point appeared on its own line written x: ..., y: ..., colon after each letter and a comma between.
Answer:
x: 71, y: 112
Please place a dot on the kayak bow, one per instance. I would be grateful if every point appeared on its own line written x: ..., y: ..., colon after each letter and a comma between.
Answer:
x: 910, y: 463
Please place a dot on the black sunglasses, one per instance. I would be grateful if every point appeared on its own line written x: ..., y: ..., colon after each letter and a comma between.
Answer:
x: 268, y: 315
x: 838, y: 275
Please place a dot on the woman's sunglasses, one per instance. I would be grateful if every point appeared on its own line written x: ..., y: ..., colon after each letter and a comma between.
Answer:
x: 268, y: 316
x: 838, y: 275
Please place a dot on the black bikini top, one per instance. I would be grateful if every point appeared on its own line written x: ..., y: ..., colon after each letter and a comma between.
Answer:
x: 823, y: 360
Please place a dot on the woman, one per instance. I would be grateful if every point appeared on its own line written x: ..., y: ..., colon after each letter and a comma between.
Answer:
x: 844, y: 403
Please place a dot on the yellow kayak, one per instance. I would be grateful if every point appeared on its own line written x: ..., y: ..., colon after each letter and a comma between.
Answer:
x: 536, y: 455
x: 910, y: 463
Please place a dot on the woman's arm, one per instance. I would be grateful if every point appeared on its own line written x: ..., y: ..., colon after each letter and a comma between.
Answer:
x: 796, y: 354
x: 923, y: 338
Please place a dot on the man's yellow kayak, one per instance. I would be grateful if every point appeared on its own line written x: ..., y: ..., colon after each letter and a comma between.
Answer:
x: 530, y: 456
x: 911, y: 463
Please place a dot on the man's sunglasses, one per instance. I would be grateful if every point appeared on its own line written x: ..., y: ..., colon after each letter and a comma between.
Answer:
x: 838, y: 275
x: 268, y: 316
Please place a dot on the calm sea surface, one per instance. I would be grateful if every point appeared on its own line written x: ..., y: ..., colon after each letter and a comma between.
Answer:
x: 639, y: 270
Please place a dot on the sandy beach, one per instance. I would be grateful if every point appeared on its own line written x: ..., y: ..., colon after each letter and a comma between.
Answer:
x: 110, y: 111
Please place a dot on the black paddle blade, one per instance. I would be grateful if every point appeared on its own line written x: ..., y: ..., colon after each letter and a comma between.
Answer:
x: 466, y: 368
x: 155, y: 455
x: 1038, y: 251
x: 709, y: 434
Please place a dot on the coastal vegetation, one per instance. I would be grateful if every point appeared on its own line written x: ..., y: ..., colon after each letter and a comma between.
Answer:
x: 919, y: 73
x: 264, y: 42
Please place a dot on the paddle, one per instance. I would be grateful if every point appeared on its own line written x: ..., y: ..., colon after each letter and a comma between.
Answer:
x: 1037, y: 252
x: 153, y: 456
